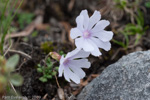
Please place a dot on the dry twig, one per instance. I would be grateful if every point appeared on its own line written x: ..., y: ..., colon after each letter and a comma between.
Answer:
x: 20, y: 52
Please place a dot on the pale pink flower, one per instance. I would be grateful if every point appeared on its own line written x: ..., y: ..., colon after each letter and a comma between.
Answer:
x: 71, y: 65
x: 90, y: 35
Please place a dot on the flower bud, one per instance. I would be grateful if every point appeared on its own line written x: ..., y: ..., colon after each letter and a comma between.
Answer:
x: 55, y: 56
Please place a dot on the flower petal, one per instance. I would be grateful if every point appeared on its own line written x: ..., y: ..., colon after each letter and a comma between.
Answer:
x: 82, y: 63
x: 105, y: 36
x: 87, y: 46
x: 62, y: 59
x: 77, y: 70
x: 61, y: 68
x: 104, y: 45
x: 80, y: 54
x: 96, y: 51
x: 77, y: 53
x: 72, y: 76
x: 75, y: 32
x: 72, y: 53
x: 66, y: 73
x: 78, y: 42
x: 94, y: 19
x: 79, y: 21
x: 100, y: 26
x: 86, y: 18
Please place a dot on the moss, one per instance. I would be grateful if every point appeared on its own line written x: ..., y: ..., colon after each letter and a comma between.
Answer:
x: 47, y: 47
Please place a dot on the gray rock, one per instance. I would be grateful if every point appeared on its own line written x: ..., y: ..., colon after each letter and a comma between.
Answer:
x: 127, y: 79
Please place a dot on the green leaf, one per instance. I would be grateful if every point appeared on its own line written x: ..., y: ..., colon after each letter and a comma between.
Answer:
x: 39, y: 65
x: 49, y: 76
x: 126, y: 39
x: 138, y: 37
x: 16, y: 79
x: 123, y: 3
x: 119, y: 43
x: 25, y: 39
x: 39, y: 70
x: 9, y: 18
x: 140, y: 18
x: 54, y: 73
x: 24, y: 18
x: 147, y: 4
x: 61, y: 53
x: 49, y: 66
x: 131, y: 29
x: 34, y: 34
x: 12, y: 62
x: 48, y: 60
x: 43, y: 79
x: 46, y: 70
x: 50, y: 71
x: 56, y: 68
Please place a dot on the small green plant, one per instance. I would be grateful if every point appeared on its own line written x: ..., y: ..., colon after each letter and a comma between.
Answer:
x: 6, y: 6
x: 6, y: 75
x: 124, y: 43
x: 129, y: 7
x: 137, y: 30
x: 24, y: 18
x: 48, y: 70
